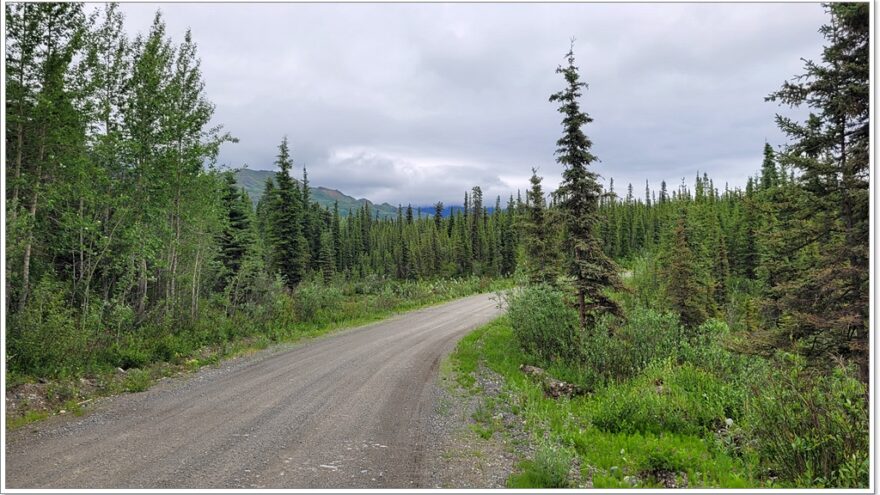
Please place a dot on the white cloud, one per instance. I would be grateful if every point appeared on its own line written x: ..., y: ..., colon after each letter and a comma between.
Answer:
x: 431, y: 99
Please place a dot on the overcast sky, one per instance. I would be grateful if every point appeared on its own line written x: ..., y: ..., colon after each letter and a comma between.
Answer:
x: 414, y: 103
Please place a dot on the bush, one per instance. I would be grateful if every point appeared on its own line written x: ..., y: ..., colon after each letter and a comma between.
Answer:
x: 812, y: 428
x: 45, y: 338
x: 705, y: 350
x: 544, y: 325
x: 127, y: 355
x: 136, y: 381
x: 312, y: 301
x: 648, y: 335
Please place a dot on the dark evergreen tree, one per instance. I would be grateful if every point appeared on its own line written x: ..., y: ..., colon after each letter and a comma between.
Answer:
x: 578, y: 197
x: 684, y: 293
x: 538, y: 237
x: 336, y: 237
x: 825, y: 297
x: 475, y: 224
x: 438, y: 215
x: 769, y: 177
x: 290, y: 251
x: 235, y: 238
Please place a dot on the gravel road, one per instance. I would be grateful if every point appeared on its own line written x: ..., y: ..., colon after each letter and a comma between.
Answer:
x: 348, y: 410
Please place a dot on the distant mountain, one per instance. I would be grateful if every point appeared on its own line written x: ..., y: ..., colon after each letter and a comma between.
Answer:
x: 254, y: 182
x: 448, y: 211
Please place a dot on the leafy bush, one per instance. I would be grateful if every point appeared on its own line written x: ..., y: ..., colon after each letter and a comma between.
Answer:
x: 136, y: 381
x: 647, y: 335
x: 706, y: 350
x: 544, y: 325
x: 127, y: 355
x: 812, y: 428
x: 45, y: 337
x: 312, y: 301
x: 642, y: 277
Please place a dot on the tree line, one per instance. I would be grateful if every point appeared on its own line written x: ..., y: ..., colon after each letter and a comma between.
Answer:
x: 792, y: 245
x: 302, y: 237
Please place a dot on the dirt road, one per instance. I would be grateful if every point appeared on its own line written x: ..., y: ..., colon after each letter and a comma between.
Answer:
x: 349, y: 410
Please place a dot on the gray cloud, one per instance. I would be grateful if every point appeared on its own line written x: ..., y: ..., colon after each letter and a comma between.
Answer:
x: 419, y: 102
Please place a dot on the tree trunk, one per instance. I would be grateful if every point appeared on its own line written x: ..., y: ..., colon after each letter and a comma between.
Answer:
x: 142, y: 289
x: 194, y: 306
x: 32, y: 212
x: 19, y: 131
x: 582, y: 308
x: 26, y: 262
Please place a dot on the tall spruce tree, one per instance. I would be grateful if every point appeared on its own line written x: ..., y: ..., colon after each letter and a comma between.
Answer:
x: 475, y: 223
x: 235, y: 238
x: 578, y: 197
x: 287, y: 240
x: 769, y: 176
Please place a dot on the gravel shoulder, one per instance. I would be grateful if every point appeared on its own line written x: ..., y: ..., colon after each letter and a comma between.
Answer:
x: 354, y: 409
x: 461, y: 456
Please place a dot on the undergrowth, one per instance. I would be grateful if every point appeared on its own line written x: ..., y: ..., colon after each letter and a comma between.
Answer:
x: 132, y: 360
x: 667, y: 406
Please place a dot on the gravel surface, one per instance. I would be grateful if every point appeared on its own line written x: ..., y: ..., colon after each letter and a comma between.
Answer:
x: 350, y: 410
x: 460, y: 458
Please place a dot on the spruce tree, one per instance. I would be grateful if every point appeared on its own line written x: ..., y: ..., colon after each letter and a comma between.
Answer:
x: 826, y: 299
x: 235, y: 238
x: 287, y: 241
x: 475, y: 224
x: 684, y: 293
x: 326, y: 263
x: 538, y: 238
x: 336, y: 237
x: 438, y: 215
x: 578, y: 198
x: 769, y: 177
x: 508, y: 240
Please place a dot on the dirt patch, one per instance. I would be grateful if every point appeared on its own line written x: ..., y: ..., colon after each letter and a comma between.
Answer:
x: 26, y: 397
x: 50, y: 397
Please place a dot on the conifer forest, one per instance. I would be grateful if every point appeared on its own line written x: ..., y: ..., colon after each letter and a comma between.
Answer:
x: 715, y: 335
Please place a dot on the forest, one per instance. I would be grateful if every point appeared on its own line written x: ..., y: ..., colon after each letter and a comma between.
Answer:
x: 127, y: 245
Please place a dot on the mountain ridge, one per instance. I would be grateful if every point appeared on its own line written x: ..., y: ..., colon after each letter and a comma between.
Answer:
x: 254, y: 182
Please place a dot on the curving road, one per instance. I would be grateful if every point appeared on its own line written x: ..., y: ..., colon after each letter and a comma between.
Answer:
x: 349, y: 410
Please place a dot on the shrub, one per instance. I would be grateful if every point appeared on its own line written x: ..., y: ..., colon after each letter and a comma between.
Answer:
x: 544, y: 325
x: 313, y: 300
x: 648, y: 335
x: 706, y: 350
x: 811, y: 428
x: 46, y: 338
x: 136, y: 381
x: 127, y: 354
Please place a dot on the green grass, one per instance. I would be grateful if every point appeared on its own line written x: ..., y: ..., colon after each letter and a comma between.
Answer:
x: 28, y: 418
x: 647, y: 445
x: 73, y: 407
x: 549, y: 469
